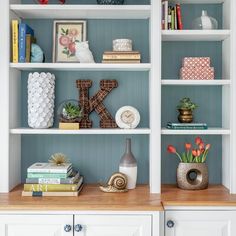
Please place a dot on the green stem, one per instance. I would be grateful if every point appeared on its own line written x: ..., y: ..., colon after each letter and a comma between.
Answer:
x: 179, y: 157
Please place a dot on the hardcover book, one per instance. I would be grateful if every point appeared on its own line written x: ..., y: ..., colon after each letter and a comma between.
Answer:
x: 53, y: 187
x: 73, y: 178
x: 15, y: 43
x: 49, y: 175
x: 49, y: 168
x: 187, y: 126
x: 52, y: 194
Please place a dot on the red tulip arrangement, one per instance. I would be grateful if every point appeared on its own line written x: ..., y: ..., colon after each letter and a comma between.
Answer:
x: 192, y: 155
x: 44, y: 2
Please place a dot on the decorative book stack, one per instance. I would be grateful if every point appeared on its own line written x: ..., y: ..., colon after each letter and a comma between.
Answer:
x: 49, y: 179
x: 188, y: 126
x: 121, y: 57
x: 197, y: 68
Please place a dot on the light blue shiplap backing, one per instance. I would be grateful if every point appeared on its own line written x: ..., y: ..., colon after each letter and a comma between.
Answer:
x: 98, y: 156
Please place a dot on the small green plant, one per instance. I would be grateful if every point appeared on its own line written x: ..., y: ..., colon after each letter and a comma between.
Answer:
x: 71, y: 111
x: 186, y: 103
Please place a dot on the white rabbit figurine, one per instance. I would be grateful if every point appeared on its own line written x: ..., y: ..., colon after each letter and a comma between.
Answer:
x: 83, y: 53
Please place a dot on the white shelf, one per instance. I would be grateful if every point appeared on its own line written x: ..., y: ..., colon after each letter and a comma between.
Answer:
x: 195, y: 35
x: 81, y: 67
x: 210, y: 131
x: 81, y: 131
x: 195, y: 82
x: 35, y: 11
x: 197, y: 1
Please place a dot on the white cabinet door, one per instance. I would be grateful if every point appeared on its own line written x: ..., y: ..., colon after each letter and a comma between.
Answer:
x: 200, y: 223
x: 36, y: 225
x: 113, y: 225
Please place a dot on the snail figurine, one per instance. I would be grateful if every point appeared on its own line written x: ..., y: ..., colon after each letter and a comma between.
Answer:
x: 116, y: 184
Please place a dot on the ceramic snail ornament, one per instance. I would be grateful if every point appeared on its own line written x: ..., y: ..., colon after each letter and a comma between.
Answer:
x: 116, y: 184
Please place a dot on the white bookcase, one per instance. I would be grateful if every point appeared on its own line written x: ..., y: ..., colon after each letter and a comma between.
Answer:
x: 10, y: 122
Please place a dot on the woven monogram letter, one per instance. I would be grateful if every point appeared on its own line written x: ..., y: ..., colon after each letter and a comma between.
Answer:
x: 95, y: 103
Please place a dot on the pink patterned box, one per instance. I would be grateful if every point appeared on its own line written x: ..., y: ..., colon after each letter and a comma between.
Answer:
x: 196, y: 62
x: 197, y: 73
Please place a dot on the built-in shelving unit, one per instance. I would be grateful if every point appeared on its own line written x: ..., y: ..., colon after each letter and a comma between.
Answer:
x: 81, y: 67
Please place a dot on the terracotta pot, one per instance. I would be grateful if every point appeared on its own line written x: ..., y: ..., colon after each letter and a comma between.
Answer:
x: 185, y: 116
x: 192, y: 176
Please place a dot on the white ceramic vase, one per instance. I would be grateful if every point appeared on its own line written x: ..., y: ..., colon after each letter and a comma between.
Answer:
x: 41, y: 96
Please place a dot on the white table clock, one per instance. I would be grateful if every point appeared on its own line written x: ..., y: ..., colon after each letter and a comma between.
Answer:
x: 127, y: 117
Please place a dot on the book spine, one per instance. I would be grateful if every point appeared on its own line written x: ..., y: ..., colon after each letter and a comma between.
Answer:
x: 166, y: 15
x: 172, y: 19
x: 122, y: 57
x: 28, y: 48
x: 22, y: 39
x: 15, y: 35
x: 50, y: 187
x: 49, y: 194
x: 121, y: 61
x: 176, y: 24
x: 169, y: 18
x: 49, y: 171
x: 47, y: 175
x: 163, y: 15
x: 179, y: 17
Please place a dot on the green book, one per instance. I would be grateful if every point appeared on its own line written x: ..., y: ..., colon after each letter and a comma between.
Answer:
x: 172, y: 18
x: 48, y: 175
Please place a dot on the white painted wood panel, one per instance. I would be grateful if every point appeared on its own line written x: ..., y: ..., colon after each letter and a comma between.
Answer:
x: 204, y: 223
x: 113, y: 225
x: 81, y: 11
x: 35, y: 225
x: 196, y: 82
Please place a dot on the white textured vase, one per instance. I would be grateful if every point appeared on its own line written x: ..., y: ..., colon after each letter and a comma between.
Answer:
x: 41, y: 96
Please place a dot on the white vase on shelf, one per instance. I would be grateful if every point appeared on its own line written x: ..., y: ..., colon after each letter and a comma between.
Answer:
x: 41, y: 96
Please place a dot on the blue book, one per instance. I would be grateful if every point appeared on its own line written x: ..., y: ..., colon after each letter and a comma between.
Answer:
x: 23, y: 30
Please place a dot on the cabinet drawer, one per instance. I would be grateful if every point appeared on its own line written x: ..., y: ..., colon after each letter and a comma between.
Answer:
x: 113, y: 225
x: 200, y: 223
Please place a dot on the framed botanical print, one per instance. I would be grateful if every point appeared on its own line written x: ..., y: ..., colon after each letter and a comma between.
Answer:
x: 66, y: 34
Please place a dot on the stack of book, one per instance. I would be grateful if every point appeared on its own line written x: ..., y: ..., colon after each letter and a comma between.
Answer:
x: 22, y: 39
x: 121, y: 57
x: 188, y: 126
x: 171, y: 16
x: 49, y: 179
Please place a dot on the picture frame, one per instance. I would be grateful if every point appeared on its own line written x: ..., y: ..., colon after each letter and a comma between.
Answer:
x: 66, y: 34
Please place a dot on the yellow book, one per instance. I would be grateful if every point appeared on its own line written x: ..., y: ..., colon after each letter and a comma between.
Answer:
x: 53, y: 187
x: 15, y: 35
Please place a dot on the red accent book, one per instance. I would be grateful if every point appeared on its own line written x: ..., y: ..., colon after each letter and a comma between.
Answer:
x: 179, y: 16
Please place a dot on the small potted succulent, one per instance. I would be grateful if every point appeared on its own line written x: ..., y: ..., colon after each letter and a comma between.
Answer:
x: 192, y: 171
x: 70, y: 114
x: 186, y: 108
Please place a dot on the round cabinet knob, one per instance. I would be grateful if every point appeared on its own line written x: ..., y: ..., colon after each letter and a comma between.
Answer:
x: 170, y: 224
x: 67, y: 228
x: 78, y: 228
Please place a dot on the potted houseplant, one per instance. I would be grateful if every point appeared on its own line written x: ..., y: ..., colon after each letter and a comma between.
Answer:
x: 192, y: 172
x: 186, y: 108
x: 70, y: 114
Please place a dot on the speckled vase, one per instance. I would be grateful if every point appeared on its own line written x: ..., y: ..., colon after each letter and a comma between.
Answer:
x: 192, y: 176
x: 41, y: 96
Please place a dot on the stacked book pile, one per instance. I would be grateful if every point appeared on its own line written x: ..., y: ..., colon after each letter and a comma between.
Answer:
x: 171, y: 16
x: 22, y: 39
x: 49, y: 179
x: 186, y: 126
x: 121, y: 57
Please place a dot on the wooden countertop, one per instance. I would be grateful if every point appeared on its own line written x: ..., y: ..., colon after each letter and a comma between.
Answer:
x: 215, y: 195
x: 91, y: 198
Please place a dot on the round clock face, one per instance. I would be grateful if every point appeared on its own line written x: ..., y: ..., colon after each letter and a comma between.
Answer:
x: 127, y: 117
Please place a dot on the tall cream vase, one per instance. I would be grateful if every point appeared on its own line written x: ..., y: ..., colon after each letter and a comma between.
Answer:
x: 41, y: 96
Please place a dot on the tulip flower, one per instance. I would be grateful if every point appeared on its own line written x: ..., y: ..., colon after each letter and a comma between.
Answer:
x: 201, y: 146
x: 194, y: 152
x: 188, y: 146
x: 198, y: 140
x: 172, y: 149
x: 208, y: 146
